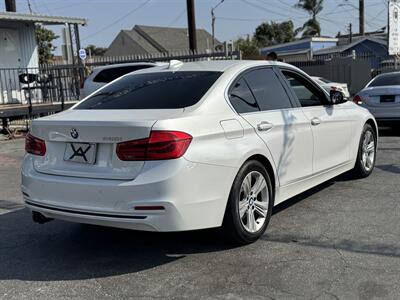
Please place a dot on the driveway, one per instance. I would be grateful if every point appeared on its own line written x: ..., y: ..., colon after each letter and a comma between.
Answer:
x: 339, y: 240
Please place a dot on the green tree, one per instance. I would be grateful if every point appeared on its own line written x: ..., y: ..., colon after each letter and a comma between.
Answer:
x: 273, y: 33
x: 248, y: 47
x: 313, y: 8
x: 95, y: 51
x: 44, y: 39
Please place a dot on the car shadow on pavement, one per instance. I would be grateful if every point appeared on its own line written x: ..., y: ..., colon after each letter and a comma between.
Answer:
x: 66, y: 251
x: 323, y: 242
x: 292, y: 201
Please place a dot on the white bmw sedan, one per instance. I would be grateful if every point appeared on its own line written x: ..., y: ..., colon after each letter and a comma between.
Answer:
x: 194, y: 145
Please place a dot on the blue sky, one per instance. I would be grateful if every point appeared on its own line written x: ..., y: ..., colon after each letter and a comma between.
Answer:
x: 235, y: 18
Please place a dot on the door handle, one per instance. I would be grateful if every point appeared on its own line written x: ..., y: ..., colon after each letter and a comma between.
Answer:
x: 264, y: 126
x: 315, y: 121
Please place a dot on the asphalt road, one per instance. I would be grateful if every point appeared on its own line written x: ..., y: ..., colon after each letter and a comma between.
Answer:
x: 339, y: 240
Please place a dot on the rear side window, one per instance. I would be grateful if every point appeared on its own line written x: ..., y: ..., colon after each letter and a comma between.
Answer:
x: 108, y: 75
x: 267, y: 89
x: 386, y: 80
x: 161, y: 90
x: 242, y: 99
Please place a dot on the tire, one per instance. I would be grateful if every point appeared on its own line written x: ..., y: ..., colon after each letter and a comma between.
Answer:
x: 249, y: 209
x: 366, y: 156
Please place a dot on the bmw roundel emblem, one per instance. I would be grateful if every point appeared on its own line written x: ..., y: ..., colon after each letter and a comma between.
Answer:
x: 74, y: 133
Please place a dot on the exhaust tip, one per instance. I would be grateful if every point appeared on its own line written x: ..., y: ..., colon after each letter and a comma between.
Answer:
x: 39, y: 218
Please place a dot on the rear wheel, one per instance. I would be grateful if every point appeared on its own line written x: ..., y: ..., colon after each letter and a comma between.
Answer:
x: 250, y: 204
x: 366, y: 153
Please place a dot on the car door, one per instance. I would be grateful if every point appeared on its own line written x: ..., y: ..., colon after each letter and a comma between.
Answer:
x: 260, y: 98
x: 331, y: 124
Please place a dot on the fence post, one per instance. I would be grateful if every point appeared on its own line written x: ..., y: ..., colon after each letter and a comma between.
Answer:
x: 30, y: 110
x: 61, y: 89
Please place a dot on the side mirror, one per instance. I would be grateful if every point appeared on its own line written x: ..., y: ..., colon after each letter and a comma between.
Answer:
x: 337, y: 97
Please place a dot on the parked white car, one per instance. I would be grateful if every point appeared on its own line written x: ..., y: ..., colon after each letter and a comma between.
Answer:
x: 381, y: 97
x: 194, y: 145
x: 100, y: 76
x: 333, y: 86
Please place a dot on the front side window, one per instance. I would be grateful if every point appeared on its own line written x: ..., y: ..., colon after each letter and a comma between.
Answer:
x: 158, y: 90
x: 306, y: 92
x: 267, y: 89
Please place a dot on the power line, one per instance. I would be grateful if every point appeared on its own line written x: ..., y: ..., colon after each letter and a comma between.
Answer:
x: 293, y: 9
x: 266, y: 9
x: 117, y: 21
x: 176, y: 19
x: 241, y: 19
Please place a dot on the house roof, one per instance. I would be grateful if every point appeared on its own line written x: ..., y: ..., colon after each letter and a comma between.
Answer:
x: 369, y: 33
x: 294, y: 52
x: 343, y: 48
x: 35, y: 18
x: 172, y: 38
x: 300, y: 41
x: 167, y: 39
x: 140, y: 40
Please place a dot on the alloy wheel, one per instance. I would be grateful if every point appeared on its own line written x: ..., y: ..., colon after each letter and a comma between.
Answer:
x: 253, y: 202
x: 368, y: 151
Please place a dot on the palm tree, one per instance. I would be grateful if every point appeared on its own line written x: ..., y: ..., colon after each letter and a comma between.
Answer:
x: 313, y: 8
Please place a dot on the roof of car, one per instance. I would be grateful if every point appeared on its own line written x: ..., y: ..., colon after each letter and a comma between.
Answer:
x: 126, y: 65
x: 388, y: 74
x: 213, y: 66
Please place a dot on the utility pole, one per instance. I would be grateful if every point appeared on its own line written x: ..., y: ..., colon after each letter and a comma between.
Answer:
x: 350, y: 33
x: 191, y: 25
x: 361, y: 17
x: 29, y: 6
x: 10, y: 6
x: 213, y: 24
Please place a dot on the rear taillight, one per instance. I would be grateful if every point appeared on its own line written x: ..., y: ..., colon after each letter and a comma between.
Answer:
x: 357, y: 100
x: 160, y: 145
x: 34, y: 145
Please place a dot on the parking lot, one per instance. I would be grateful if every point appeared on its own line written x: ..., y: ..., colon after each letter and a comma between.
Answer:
x: 341, y: 240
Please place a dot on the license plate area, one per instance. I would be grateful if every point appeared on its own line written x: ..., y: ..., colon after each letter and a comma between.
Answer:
x: 84, y: 153
x: 387, y: 98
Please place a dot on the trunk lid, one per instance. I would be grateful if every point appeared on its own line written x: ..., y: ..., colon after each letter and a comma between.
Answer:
x: 82, y: 143
x: 372, y: 96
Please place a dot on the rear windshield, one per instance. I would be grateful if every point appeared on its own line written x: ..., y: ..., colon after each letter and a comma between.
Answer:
x: 324, y: 80
x: 110, y: 74
x: 383, y: 80
x: 162, y: 90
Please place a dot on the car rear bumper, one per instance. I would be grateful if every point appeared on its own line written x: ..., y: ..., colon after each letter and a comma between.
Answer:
x: 385, y: 113
x: 187, y: 196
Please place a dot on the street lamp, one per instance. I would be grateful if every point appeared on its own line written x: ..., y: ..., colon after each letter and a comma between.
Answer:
x: 213, y: 23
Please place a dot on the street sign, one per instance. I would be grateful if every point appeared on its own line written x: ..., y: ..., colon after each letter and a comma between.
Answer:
x: 82, y: 54
x: 394, y: 27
